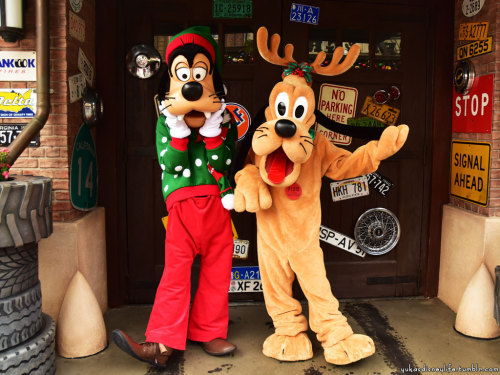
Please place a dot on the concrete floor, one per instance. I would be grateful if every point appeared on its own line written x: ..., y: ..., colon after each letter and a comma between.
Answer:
x: 408, y: 334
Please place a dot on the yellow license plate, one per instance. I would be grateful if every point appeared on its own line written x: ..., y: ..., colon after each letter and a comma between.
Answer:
x: 473, y: 31
x: 479, y: 47
x: 382, y: 112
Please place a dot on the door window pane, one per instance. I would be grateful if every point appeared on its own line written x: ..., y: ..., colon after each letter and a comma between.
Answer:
x: 362, y: 39
x: 322, y: 40
x: 388, y: 50
x: 238, y: 47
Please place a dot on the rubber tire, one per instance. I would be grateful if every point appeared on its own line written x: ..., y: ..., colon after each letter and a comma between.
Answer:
x: 34, y: 357
x: 20, y: 317
x: 18, y: 269
x: 25, y: 210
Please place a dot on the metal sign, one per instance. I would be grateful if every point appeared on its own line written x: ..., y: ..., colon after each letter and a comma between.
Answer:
x: 242, y: 118
x: 473, y: 49
x: 245, y: 279
x: 232, y: 9
x: 76, y: 27
x: 240, y: 248
x: 76, y: 5
x: 473, y: 112
x: 473, y: 31
x: 9, y: 132
x: 472, y: 7
x: 351, y: 188
x: 338, y: 103
x: 85, y: 66
x: 83, y: 175
x: 304, y: 13
x: 382, y: 112
x: 379, y: 183
x: 17, y: 103
x: 339, y: 240
x: 17, y: 66
x: 76, y: 87
x: 470, y: 170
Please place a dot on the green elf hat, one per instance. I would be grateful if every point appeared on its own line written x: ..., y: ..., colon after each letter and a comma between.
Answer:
x: 198, y: 35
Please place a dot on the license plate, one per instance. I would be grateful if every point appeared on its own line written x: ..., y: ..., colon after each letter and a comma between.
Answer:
x: 245, y: 279
x: 379, y: 183
x: 304, y: 13
x: 339, y: 240
x: 473, y: 31
x: 382, y: 112
x: 9, y: 132
x: 347, y: 189
x: 240, y: 248
x: 479, y: 47
x: 232, y: 9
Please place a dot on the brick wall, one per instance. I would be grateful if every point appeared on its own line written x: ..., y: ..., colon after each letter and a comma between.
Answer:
x: 484, y: 64
x: 53, y: 157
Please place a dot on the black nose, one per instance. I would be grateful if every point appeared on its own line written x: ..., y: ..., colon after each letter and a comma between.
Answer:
x: 285, y: 128
x: 192, y: 91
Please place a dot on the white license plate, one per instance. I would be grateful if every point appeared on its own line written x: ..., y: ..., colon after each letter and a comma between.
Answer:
x: 245, y: 286
x: 347, y: 189
x: 339, y: 240
x: 240, y: 248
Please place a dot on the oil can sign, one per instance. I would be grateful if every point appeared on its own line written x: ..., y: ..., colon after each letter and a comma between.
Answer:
x: 470, y: 170
x: 83, y: 176
x: 472, y: 112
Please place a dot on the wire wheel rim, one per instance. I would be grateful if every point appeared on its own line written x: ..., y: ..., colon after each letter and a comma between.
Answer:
x: 377, y: 231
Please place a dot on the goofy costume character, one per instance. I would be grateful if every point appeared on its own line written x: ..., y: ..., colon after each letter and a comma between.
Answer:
x: 195, y: 139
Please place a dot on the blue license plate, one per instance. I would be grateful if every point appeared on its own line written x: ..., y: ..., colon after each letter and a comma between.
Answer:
x: 245, y: 273
x: 304, y: 13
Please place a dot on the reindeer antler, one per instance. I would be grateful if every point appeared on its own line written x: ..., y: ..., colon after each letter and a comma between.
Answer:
x: 272, y: 54
x: 334, y: 68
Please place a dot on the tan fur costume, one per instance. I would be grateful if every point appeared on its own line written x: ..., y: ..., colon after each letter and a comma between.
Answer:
x: 288, y: 229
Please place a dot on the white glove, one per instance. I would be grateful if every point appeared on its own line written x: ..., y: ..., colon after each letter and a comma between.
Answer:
x: 212, y: 128
x: 178, y: 128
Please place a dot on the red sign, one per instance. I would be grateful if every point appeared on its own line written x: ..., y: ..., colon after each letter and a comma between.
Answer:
x: 242, y: 117
x: 473, y: 112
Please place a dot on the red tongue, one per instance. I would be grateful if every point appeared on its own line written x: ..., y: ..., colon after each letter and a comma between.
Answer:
x: 276, y: 166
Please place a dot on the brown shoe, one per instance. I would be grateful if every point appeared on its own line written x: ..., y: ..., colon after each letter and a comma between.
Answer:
x: 218, y: 347
x: 147, y: 351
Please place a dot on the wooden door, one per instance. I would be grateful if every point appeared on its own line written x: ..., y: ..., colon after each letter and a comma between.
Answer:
x: 393, y: 53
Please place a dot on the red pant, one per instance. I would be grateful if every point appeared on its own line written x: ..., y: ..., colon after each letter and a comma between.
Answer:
x: 198, y: 225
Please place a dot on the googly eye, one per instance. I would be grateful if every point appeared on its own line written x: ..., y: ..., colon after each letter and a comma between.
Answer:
x: 281, y: 104
x: 183, y: 74
x: 199, y: 73
x: 300, y: 108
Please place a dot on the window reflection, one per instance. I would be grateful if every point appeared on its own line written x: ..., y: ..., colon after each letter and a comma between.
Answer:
x: 362, y: 39
x: 238, y: 47
x: 388, y: 50
x: 321, y: 40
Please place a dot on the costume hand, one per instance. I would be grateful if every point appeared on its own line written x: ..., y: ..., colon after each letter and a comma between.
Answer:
x: 178, y: 128
x: 212, y: 128
x: 391, y: 140
x: 251, y: 193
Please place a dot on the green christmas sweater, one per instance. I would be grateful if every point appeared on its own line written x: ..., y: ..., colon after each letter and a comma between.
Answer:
x: 190, y: 168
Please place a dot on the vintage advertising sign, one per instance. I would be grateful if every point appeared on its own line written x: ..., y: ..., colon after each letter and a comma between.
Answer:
x: 76, y: 85
x: 304, y: 13
x: 470, y: 170
x: 76, y: 27
x: 85, y: 66
x: 245, y: 279
x: 473, y: 31
x: 17, y: 66
x: 472, y: 112
x: 338, y: 103
x: 242, y: 117
x: 472, y: 7
x: 9, y: 132
x: 339, y: 240
x: 232, y: 9
x: 382, y: 112
x: 240, y: 248
x: 351, y: 188
x: 17, y: 103
x: 477, y: 48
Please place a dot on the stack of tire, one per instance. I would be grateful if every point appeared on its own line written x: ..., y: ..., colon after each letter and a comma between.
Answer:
x: 27, y: 335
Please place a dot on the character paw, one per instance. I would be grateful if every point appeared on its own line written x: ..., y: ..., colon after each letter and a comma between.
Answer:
x: 350, y: 349
x: 391, y: 141
x: 288, y: 348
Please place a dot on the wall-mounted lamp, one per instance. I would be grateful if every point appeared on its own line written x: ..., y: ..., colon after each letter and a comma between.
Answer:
x: 11, y: 20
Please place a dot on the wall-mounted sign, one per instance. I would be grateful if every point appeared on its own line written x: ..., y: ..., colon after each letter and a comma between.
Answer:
x: 17, y: 66
x: 470, y: 170
x: 240, y: 248
x: 473, y: 111
x: 17, y: 103
x: 351, y: 188
x: 76, y: 27
x: 339, y: 240
x: 242, y: 117
x: 472, y: 7
x: 382, y: 112
x: 83, y: 174
x: 76, y: 85
x: 232, y: 9
x: 473, y: 31
x: 477, y: 48
x: 245, y: 279
x: 9, y: 132
x: 338, y: 103
x: 76, y: 5
x: 85, y: 67
x: 304, y: 13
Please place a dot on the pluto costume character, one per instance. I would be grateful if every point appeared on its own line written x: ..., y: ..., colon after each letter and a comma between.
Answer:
x: 282, y: 185
x: 195, y: 139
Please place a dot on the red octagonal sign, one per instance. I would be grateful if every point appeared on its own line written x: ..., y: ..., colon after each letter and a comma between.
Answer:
x: 473, y: 112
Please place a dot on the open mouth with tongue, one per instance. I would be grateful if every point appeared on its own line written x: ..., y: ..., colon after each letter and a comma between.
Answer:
x: 278, y: 166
